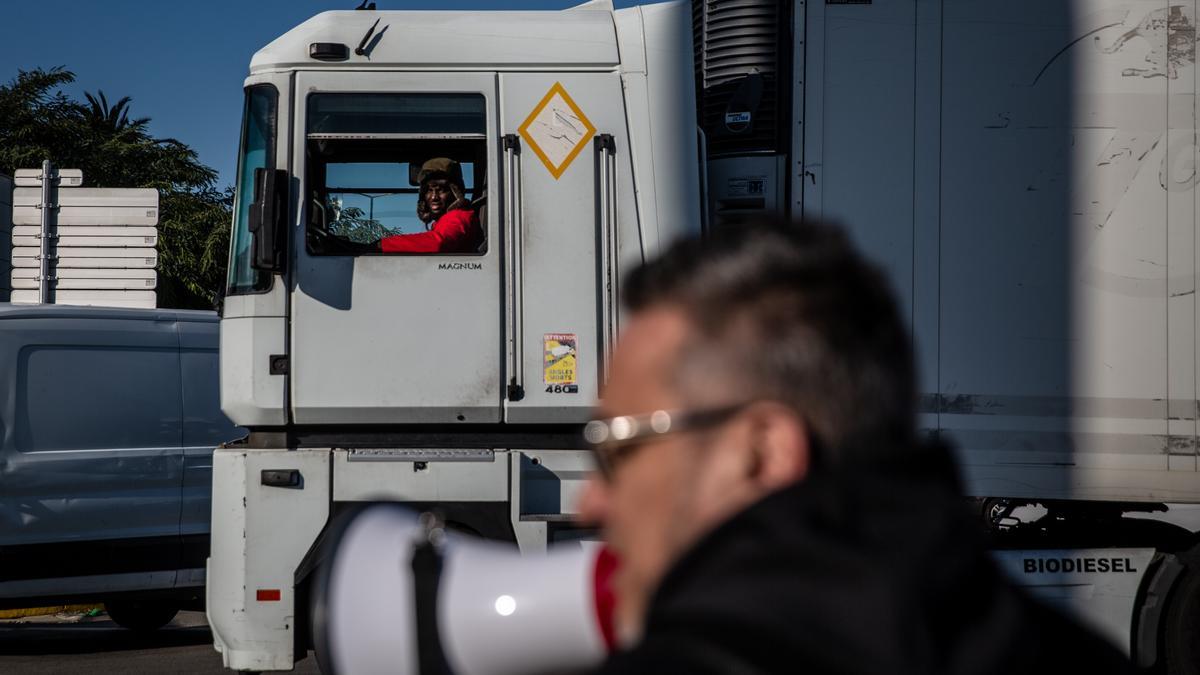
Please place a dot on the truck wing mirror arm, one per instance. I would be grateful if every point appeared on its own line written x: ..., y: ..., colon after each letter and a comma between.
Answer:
x: 268, y: 220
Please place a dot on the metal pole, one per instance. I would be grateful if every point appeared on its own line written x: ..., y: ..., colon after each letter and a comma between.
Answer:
x: 47, y: 232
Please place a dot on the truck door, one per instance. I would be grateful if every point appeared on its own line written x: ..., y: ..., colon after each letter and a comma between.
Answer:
x: 393, y: 338
x: 566, y: 149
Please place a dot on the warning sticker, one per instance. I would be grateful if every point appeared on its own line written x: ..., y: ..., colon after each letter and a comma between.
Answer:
x: 559, y: 364
x: 557, y: 130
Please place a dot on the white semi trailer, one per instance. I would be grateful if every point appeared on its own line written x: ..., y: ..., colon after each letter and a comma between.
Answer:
x: 1024, y: 170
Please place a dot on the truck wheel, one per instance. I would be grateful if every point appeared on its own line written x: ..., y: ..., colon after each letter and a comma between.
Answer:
x: 994, y: 512
x: 1183, y: 625
x: 140, y: 615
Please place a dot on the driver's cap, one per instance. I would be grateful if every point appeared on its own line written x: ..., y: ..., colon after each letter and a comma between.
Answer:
x: 445, y: 166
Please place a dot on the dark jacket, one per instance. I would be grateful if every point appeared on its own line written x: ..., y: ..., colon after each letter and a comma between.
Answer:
x: 863, y: 570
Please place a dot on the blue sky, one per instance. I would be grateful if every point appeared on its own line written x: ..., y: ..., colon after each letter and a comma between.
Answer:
x: 182, y: 62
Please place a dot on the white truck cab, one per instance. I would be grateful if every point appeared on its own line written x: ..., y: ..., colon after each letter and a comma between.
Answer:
x: 460, y: 380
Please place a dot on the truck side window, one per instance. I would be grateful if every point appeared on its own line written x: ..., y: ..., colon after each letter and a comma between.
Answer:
x: 371, y: 189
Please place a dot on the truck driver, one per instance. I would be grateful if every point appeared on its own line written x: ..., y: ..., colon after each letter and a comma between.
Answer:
x: 452, y: 226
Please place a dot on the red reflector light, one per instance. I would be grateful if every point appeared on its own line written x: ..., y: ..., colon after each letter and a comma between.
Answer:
x: 268, y: 595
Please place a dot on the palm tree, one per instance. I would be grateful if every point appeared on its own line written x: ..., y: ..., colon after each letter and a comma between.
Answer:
x: 114, y: 118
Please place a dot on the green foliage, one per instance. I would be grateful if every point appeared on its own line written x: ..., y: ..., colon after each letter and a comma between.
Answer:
x: 350, y: 223
x: 193, y: 243
x: 38, y: 122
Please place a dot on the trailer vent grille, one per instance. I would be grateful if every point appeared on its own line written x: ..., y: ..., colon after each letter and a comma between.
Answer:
x: 735, y: 41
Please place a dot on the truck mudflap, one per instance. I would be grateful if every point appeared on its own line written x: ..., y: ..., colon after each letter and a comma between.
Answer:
x: 251, y: 600
x: 1099, y: 586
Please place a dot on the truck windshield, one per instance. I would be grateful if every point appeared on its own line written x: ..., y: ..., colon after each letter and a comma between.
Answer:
x: 257, y: 152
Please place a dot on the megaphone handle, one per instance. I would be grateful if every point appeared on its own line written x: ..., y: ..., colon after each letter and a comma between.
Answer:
x: 427, y: 574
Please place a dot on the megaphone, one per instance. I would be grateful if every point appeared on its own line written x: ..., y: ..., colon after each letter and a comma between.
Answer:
x: 400, y: 595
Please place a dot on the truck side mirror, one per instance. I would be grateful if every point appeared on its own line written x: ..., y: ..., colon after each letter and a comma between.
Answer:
x: 268, y: 220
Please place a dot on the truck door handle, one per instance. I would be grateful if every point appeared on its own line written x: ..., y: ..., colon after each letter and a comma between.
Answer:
x: 606, y: 203
x: 513, y: 259
x: 282, y: 478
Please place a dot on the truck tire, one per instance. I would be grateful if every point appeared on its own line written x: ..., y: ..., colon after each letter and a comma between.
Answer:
x: 1180, y: 643
x: 140, y: 615
x: 993, y: 511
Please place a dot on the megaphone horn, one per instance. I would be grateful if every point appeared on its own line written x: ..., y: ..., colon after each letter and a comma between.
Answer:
x: 398, y: 594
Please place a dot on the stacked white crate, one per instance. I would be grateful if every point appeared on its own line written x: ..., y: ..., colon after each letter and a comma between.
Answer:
x: 105, y: 244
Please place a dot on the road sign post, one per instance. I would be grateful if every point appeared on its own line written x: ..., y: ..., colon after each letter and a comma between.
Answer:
x: 47, y: 206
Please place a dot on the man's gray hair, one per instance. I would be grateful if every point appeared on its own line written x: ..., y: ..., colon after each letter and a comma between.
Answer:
x: 790, y: 312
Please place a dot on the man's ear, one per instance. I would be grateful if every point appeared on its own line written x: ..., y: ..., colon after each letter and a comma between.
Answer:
x: 780, y: 445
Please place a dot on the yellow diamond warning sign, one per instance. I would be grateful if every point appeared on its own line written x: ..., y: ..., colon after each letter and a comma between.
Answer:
x: 557, y: 130
x: 561, y: 351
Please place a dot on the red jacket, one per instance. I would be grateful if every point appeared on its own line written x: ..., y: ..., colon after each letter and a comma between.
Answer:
x: 456, y: 231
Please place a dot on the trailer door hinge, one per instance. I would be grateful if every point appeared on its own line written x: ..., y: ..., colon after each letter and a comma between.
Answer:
x: 279, y: 364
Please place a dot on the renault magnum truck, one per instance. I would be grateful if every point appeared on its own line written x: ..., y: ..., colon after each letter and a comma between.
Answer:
x: 456, y: 380
x: 1024, y: 171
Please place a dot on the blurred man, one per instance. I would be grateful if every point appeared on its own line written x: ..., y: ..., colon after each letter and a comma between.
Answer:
x: 763, y: 486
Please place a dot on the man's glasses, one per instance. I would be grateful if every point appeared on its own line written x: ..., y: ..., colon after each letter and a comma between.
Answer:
x: 614, y: 439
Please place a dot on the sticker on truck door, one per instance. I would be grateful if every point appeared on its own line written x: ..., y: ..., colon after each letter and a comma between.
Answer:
x: 557, y: 130
x: 559, y: 362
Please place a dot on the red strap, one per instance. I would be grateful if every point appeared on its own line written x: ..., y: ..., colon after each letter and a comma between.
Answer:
x: 606, y: 599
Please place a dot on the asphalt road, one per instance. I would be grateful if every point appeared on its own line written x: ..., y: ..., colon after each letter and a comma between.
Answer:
x: 74, y: 644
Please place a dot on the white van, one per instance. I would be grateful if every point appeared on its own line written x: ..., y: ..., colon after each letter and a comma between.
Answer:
x: 108, y: 421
